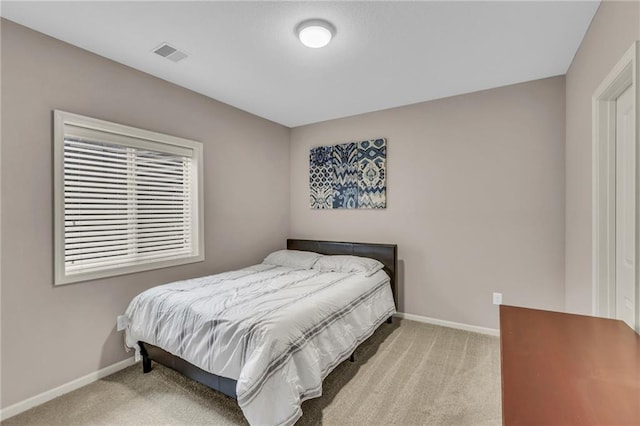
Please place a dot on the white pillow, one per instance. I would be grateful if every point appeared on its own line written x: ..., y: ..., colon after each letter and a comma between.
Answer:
x: 294, y: 259
x: 345, y: 263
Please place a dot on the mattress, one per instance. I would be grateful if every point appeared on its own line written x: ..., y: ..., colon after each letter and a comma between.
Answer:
x: 277, y: 331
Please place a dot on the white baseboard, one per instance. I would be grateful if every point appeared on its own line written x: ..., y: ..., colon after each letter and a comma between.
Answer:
x: 22, y: 406
x: 450, y: 324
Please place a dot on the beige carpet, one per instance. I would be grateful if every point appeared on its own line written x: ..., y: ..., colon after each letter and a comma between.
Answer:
x: 407, y: 373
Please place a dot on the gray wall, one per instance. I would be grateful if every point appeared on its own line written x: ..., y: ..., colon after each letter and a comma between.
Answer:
x: 475, y: 198
x: 613, y: 29
x: 52, y: 335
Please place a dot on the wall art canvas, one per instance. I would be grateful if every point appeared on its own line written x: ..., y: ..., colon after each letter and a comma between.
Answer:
x: 349, y: 176
x: 372, y: 179
x: 321, y: 177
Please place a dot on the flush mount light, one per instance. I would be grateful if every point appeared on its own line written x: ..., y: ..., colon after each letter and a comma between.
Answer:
x: 315, y: 33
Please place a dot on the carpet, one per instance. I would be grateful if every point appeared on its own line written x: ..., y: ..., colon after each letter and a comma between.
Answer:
x: 407, y: 373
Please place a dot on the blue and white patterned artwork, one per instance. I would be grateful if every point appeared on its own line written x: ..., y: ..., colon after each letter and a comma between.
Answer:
x: 349, y: 176
x: 345, y: 176
x: 321, y: 177
x: 372, y: 179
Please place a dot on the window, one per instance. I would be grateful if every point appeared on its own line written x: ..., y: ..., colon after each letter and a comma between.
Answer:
x: 126, y: 199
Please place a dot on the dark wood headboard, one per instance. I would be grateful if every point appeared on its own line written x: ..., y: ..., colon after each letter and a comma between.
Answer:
x: 387, y: 254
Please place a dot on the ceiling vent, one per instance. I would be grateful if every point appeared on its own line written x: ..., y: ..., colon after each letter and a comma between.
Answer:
x: 167, y: 51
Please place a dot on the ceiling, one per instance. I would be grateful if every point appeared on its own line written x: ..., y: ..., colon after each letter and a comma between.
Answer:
x: 385, y: 54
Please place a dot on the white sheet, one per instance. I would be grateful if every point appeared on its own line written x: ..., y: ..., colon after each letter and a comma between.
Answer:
x: 277, y: 331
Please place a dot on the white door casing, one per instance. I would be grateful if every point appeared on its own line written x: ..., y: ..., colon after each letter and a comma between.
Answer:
x: 622, y: 78
x: 625, y: 288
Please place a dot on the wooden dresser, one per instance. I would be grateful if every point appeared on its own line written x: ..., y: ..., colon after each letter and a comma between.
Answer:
x: 565, y: 369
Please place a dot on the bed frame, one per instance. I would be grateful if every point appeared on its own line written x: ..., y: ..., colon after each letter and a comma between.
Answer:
x: 387, y: 254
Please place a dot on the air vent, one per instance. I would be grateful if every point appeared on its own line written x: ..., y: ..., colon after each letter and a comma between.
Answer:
x: 169, y: 52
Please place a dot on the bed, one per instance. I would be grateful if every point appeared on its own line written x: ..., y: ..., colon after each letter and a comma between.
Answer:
x: 267, y: 335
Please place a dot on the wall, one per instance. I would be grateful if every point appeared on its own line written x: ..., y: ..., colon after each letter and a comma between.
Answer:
x: 52, y: 335
x: 613, y: 29
x: 475, y: 198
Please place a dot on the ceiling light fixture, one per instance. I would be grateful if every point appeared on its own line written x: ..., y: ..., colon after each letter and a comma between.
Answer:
x: 315, y: 33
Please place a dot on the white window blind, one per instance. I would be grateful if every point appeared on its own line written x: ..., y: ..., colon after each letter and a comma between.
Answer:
x: 130, y: 200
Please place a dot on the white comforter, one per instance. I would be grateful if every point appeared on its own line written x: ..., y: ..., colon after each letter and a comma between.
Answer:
x: 277, y: 331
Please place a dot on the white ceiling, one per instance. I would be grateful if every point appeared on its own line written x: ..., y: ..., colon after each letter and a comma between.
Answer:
x: 385, y: 54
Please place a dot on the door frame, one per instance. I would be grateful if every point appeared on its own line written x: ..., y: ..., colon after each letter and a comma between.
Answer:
x: 624, y: 74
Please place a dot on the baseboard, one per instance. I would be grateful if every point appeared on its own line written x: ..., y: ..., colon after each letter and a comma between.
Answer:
x: 22, y: 406
x: 450, y: 324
